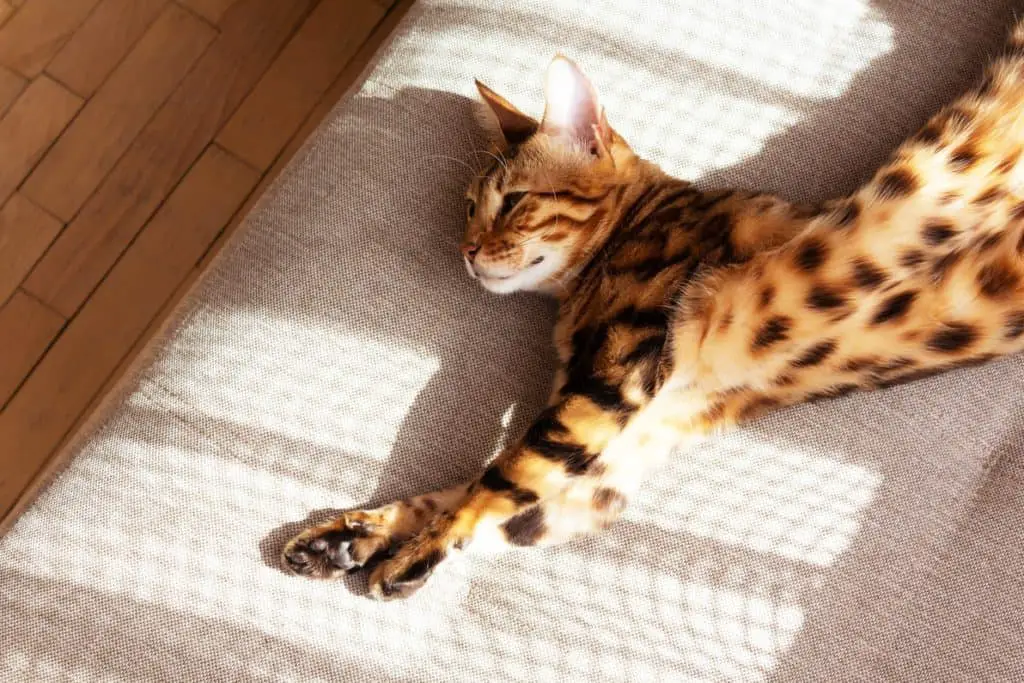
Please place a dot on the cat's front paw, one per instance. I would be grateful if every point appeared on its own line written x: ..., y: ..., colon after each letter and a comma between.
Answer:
x: 407, y: 571
x: 401, y: 576
x: 342, y: 545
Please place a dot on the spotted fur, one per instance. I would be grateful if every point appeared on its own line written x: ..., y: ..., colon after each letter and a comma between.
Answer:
x: 684, y: 311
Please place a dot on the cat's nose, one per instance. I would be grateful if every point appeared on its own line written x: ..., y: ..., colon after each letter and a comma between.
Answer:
x: 470, y: 251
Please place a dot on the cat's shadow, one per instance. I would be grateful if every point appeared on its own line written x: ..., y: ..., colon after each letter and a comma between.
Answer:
x: 428, y: 139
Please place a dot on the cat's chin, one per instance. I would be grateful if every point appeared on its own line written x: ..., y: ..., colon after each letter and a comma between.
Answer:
x: 528, y: 280
x: 506, y: 287
x: 534, y: 278
x: 502, y: 285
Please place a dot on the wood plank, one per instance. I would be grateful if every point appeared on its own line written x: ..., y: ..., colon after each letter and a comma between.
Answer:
x: 38, y: 30
x: 102, y: 42
x: 30, y: 126
x: 312, y: 60
x: 6, y: 10
x: 11, y: 85
x: 345, y: 80
x: 94, y: 343
x: 211, y: 10
x: 25, y: 233
x: 27, y: 328
x: 110, y: 121
x: 251, y: 36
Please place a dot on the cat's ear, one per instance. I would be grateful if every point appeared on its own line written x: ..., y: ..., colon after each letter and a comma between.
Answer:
x: 515, y: 126
x: 572, y: 109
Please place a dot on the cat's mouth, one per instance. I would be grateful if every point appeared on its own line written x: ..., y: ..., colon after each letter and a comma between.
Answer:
x: 478, y: 274
x: 484, y: 276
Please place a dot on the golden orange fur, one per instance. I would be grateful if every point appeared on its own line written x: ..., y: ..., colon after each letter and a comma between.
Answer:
x: 685, y: 311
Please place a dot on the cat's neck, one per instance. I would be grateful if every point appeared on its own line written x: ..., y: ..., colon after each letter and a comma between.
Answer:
x: 651, y: 190
x: 631, y: 203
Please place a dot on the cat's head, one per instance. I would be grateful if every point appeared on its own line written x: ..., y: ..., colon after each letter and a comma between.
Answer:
x: 546, y: 201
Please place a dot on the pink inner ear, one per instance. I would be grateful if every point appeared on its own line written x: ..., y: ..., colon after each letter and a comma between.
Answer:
x: 572, y: 108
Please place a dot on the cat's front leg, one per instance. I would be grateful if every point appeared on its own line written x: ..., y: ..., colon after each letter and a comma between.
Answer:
x: 588, y: 505
x: 358, y: 537
x: 572, y: 473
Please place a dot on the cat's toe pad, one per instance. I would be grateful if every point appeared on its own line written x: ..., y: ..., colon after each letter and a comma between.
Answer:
x: 338, y: 547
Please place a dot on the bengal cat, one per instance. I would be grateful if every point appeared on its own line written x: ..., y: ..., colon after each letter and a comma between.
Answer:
x: 683, y: 312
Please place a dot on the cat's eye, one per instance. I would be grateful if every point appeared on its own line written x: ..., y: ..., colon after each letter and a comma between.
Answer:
x: 470, y: 208
x: 510, y: 201
x: 539, y: 259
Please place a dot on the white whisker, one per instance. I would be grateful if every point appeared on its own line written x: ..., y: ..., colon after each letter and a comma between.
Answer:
x: 449, y: 158
x: 469, y: 140
x: 500, y: 159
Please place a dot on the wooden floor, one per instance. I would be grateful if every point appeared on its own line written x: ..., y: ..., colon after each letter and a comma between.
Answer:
x: 134, y: 134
